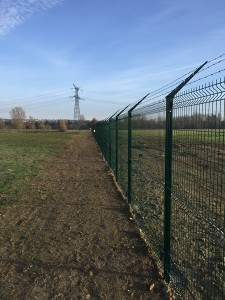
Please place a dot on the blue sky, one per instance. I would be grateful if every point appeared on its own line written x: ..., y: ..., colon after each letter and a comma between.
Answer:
x: 115, y: 51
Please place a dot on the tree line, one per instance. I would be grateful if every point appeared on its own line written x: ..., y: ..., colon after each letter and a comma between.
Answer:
x: 19, y: 121
x: 192, y: 121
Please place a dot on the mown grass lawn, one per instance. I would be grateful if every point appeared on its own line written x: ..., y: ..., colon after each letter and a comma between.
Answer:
x: 22, y: 155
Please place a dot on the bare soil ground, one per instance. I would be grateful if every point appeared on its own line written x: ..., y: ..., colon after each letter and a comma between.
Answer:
x: 71, y: 235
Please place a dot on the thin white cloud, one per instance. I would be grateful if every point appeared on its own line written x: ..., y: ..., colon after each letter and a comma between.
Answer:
x: 14, y: 12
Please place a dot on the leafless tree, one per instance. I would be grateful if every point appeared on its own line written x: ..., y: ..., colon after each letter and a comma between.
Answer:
x: 2, y: 124
x: 63, y: 125
x: 18, y: 116
x: 42, y: 125
x: 31, y: 123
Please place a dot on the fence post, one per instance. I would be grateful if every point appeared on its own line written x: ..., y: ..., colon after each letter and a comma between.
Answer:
x: 110, y: 144
x: 129, y: 157
x: 168, y: 184
x: 117, y: 140
x: 110, y: 141
x: 168, y: 173
x: 129, y: 187
x: 103, y: 139
x: 117, y: 150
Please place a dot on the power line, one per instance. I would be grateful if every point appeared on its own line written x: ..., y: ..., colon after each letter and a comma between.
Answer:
x: 213, y: 67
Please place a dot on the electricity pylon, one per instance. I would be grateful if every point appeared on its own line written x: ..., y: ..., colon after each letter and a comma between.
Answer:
x: 76, y: 115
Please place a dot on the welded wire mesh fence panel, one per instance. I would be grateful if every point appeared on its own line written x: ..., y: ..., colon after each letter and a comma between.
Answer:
x: 148, y: 143
x: 122, y: 167
x: 198, y: 193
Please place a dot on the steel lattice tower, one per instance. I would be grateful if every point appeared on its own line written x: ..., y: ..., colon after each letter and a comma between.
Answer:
x: 76, y: 115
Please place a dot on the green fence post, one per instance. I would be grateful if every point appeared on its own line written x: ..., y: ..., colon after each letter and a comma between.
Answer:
x: 117, y: 139
x: 110, y: 144
x: 103, y: 138
x: 129, y: 187
x: 117, y: 150
x: 168, y: 185
x: 105, y: 135
x: 168, y: 173
x: 110, y: 141
x: 129, y: 156
x: 107, y: 141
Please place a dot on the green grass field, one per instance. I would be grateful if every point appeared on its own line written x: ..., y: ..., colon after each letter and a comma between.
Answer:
x: 22, y: 155
x: 206, y: 135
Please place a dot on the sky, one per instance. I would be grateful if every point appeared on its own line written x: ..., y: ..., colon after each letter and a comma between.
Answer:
x: 115, y: 51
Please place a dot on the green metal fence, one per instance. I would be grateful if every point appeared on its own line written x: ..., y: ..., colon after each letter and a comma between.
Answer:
x: 198, y: 250
x: 168, y: 157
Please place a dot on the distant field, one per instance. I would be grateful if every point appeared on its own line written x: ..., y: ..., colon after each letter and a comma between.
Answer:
x: 22, y: 155
x: 211, y: 135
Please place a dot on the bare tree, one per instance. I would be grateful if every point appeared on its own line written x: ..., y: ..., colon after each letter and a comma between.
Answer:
x: 42, y: 125
x: 31, y: 123
x: 63, y: 125
x: 18, y: 116
x: 2, y: 124
x: 82, y: 120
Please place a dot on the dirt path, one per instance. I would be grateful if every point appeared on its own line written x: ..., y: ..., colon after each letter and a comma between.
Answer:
x: 71, y: 236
